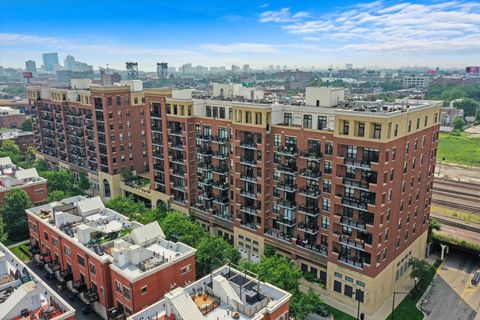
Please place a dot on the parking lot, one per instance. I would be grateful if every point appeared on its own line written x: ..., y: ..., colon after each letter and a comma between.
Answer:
x: 77, y: 304
x: 452, y: 296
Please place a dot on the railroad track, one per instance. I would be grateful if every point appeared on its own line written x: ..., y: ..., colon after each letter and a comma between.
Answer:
x: 456, y: 224
x: 457, y: 195
x: 469, y: 186
x: 454, y: 205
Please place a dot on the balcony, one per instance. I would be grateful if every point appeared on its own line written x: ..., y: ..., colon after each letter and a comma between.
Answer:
x: 248, y: 194
x: 350, y: 242
x: 248, y: 145
x: 311, y: 155
x: 249, y: 178
x: 352, y: 223
x: 178, y: 160
x: 351, y: 261
x: 204, y: 137
x: 358, y: 164
x: 204, y: 166
x: 157, y: 142
x: 222, y: 170
x: 289, y: 151
x: 204, y: 182
x: 286, y: 204
x: 355, y: 203
x: 220, y: 156
x: 248, y: 162
x: 177, y: 132
x: 364, y: 186
x: 286, y: 186
x: 177, y: 147
x: 287, y: 169
x: 220, y: 200
x: 219, y: 140
x: 220, y: 186
x: 157, y: 127
x: 177, y: 173
x: 177, y: 187
x: 248, y: 225
x: 288, y: 222
x: 309, y: 228
x: 317, y: 248
x: 312, y: 174
x: 249, y: 210
x: 310, y: 192
x: 158, y: 154
x: 274, y: 233
x: 206, y: 196
x: 155, y: 114
x: 309, y: 211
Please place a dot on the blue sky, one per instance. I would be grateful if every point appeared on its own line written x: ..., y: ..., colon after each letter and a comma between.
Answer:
x: 296, y: 33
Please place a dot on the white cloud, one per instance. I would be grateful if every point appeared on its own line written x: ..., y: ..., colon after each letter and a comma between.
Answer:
x: 282, y: 15
x: 377, y: 26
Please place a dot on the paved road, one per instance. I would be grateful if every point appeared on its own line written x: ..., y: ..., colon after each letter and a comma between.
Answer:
x: 452, y: 297
x: 53, y: 283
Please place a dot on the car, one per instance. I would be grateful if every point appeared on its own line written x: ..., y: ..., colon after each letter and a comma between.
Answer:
x: 87, y: 309
x: 476, y: 278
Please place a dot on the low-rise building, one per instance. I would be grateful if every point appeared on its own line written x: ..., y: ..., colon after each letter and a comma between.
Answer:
x: 23, y: 139
x: 11, y: 118
x: 23, y: 295
x: 226, y: 293
x: 12, y: 177
x: 116, y: 265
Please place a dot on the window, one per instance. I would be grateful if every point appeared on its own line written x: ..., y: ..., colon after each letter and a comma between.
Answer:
x: 277, y: 140
x: 361, y: 129
x: 328, y: 167
x: 186, y: 269
x: 55, y: 242
x: 92, y: 268
x: 418, y: 123
x: 377, y: 131
x: 118, y: 100
x: 287, y: 119
x: 326, y: 205
x: 327, y: 186
x: 307, y: 121
x: 322, y: 122
x: 144, y: 290
x: 222, y: 112
x: 346, y: 127
x: 215, y: 112
x: 325, y: 222
x: 352, y: 152
x: 395, y: 131
x: 348, y: 291
x: 409, y: 125
x: 208, y: 111
x: 329, y: 148
x: 67, y: 251
x: 118, y: 287
x: 45, y: 235
x: 81, y: 260
x: 126, y: 293
x: 337, y: 286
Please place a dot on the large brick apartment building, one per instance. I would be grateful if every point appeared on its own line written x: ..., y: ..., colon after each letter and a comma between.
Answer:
x: 118, y: 266
x: 342, y: 188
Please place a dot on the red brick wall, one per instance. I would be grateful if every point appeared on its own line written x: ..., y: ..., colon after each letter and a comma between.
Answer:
x: 12, y: 121
x: 277, y: 313
x: 157, y: 285
x: 37, y: 193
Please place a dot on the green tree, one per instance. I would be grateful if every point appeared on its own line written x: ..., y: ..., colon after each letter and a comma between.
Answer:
x: 83, y: 184
x: 57, y: 195
x: 302, y: 304
x: 59, y: 180
x: 9, y: 146
x: 42, y: 165
x: 458, y: 123
x: 270, y: 250
x: 14, y: 216
x: 179, y: 227
x: 453, y: 94
x: 469, y: 106
x: 3, y: 234
x: 27, y: 125
x: 214, y: 253
x: 279, y: 271
x: 127, y: 206
x: 420, y: 271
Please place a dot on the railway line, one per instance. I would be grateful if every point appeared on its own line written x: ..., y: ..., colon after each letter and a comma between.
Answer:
x: 457, y: 195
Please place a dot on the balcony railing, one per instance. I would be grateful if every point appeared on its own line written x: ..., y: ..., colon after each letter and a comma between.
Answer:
x: 348, y: 241
x: 350, y: 222
x: 205, y: 182
x: 175, y: 132
x: 220, y: 200
x: 311, y: 192
x: 352, y: 261
x: 354, y: 203
x: 313, y: 174
x: 289, y: 169
x: 248, y: 194
x: 317, y: 248
x: 309, y: 211
x: 355, y: 184
x: 220, y: 140
x: 357, y: 164
x: 290, y: 151
x: 248, y: 161
x: 286, y: 204
x: 286, y: 186
x: 289, y: 222
x: 248, y: 145
x: 249, y: 178
x: 218, y: 155
x: 220, y: 170
x: 220, y: 186
x: 204, y: 137
x: 312, y: 155
x: 308, y: 228
x: 205, y: 152
x: 248, y: 209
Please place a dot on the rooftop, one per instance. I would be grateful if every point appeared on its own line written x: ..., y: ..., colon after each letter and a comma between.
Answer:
x: 12, y: 176
x: 226, y: 293
x: 13, y: 133
x: 133, y: 249
x: 23, y: 295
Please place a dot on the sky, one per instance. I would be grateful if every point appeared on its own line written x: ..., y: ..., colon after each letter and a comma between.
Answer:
x: 297, y: 33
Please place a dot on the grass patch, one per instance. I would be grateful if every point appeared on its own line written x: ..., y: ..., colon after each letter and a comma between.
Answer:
x: 459, y: 148
x: 464, y: 216
x: 453, y: 240
x: 407, y: 309
x: 340, y: 315
x: 22, y: 252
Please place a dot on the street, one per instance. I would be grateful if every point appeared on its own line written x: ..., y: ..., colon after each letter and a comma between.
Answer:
x: 78, y: 304
x: 452, y: 297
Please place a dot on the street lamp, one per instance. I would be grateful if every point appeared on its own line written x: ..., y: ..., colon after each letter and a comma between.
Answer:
x: 359, y: 296
x: 400, y: 292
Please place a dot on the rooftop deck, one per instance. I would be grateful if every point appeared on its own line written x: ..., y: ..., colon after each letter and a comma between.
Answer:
x: 12, y: 176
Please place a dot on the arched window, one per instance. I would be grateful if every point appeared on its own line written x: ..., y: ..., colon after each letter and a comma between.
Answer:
x: 106, y: 188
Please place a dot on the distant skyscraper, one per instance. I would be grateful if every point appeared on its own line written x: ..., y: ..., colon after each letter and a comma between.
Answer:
x: 349, y: 66
x: 235, y: 68
x: 68, y: 62
x: 246, y: 68
x: 49, y: 61
x: 31, y: 66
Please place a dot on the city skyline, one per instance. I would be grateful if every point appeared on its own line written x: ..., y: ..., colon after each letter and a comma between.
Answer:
x: 381, y: 33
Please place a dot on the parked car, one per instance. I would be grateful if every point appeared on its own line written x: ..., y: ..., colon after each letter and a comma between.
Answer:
x: 476, y: 278
x: 323, y: 311
x: 87, y: 309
